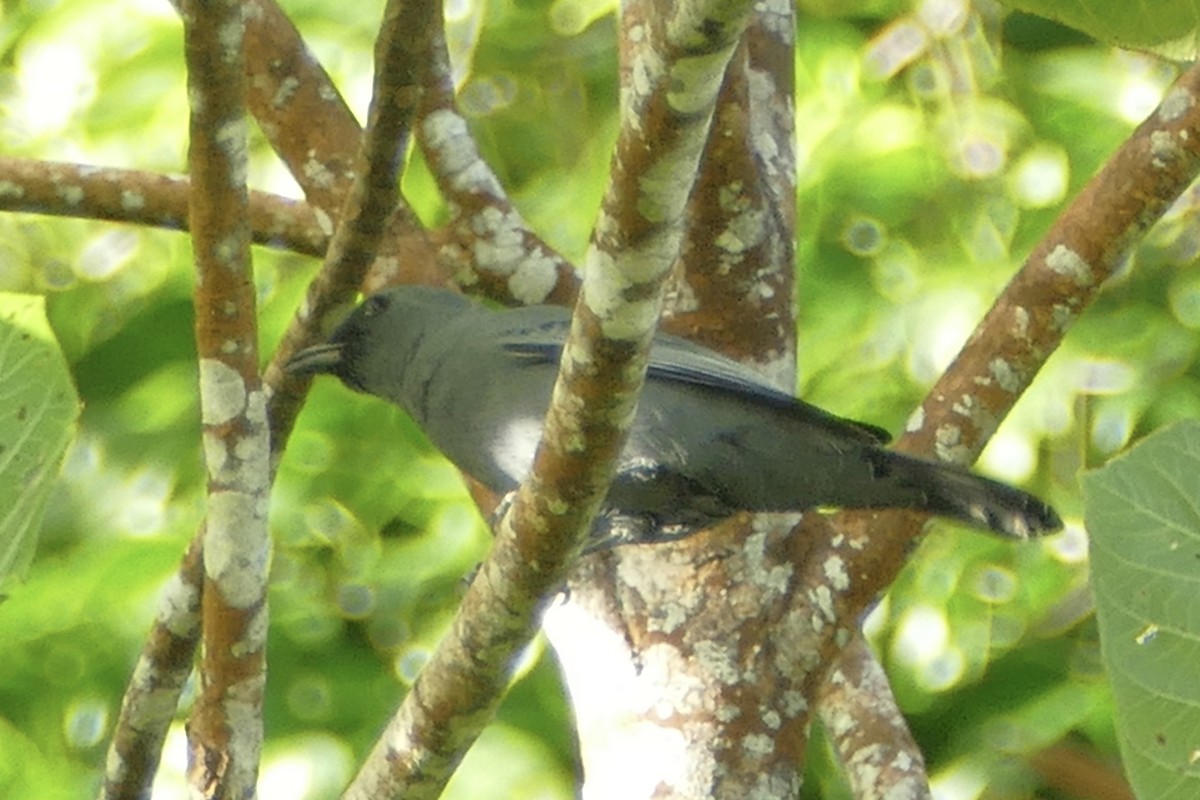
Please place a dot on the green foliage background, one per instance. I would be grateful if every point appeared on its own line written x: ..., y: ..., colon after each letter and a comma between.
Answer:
x: 916, y: 205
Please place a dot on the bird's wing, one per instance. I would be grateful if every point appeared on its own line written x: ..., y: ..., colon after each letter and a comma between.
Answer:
x: 673, y: 359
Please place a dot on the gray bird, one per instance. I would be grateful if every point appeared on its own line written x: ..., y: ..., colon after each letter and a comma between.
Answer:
x: 710, y: 438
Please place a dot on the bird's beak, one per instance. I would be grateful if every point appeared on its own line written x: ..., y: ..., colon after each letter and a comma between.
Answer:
x: 314, y: 360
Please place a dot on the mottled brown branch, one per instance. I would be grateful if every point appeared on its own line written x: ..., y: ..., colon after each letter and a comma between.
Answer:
x: 698, y: 625
x: 153, y: 694
x: 295, y: 101
x: 225, y: 729
x: 488, y: 245
x: 142, y: 198
x: 878, y: 753
x: 634, y: 243
x: 862, y: 720
x: 314, y: 133
x: 401, y: 57
x: 299, y: 110
x: 401, y: 62
x: 733, y: 290
x: 1027, y: 323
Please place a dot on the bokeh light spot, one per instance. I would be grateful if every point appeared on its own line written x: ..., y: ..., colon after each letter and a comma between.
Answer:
x: 994, y: 584
x: 1039, y: 178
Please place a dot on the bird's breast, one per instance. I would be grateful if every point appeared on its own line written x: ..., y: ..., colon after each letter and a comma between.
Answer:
x: 513, y: 445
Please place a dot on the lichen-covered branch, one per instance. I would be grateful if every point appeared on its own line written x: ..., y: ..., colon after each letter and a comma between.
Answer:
x: 697, y: 625
x: 153, y: 693
x: 143, y: 198
x: 401, y: 56
x: 634, y: 244
x: 733, y: 287
x: 488, y: 241
x: 881, y: 759
x: 299, y: 109
x: 315, y: 134
x: 277, y: 95
x: 1027, y: 323
x: 225, y: 731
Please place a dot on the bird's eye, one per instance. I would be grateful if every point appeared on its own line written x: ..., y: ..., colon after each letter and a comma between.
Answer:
x: 375, y: 304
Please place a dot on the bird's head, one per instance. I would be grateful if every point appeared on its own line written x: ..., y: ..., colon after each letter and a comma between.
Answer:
x: 369, y: 350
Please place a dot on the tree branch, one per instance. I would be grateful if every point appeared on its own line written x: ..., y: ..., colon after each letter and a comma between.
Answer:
x: 871, y: 736
x: 488, y: 241
x: 1026, y: 324
x: 401, y: 54
x: 635, y: 241
x: 314, y: 133
x: 152, y: 697
x: 735, y: 275
x: 267, y: 27
x: 696, y: 625
x: 225, y: 731
x: 143, y: 198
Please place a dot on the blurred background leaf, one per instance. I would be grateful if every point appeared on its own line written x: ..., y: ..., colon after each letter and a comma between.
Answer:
x: 1169, y: 26
x: 37, y: 420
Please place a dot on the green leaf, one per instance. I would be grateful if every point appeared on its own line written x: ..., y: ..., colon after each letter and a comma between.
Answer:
x: 1168, y: 27
x: 38, y: 409
x: 1143, y: 514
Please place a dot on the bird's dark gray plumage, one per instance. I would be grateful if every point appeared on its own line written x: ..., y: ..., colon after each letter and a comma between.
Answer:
x: 710, y: 437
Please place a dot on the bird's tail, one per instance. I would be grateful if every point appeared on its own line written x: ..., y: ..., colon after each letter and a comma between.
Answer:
x: 952, y: 492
